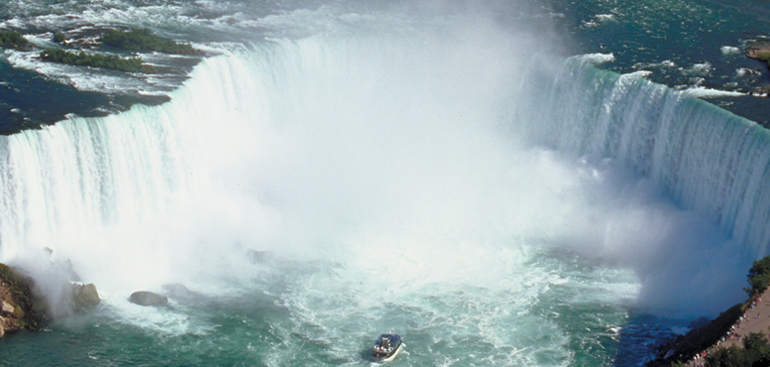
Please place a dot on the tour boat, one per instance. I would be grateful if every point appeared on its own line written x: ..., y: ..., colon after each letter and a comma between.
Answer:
x: 386, y: 348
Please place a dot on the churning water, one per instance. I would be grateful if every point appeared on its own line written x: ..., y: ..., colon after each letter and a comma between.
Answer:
x: 426, y: 170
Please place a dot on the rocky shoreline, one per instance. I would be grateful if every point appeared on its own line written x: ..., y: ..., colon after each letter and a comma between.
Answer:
x: 20, y: 310
x: 760, y: 51
x: 22, y: 306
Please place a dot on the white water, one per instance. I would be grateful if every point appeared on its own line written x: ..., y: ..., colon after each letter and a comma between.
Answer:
x: 700, y: 156
x: 479, y: 170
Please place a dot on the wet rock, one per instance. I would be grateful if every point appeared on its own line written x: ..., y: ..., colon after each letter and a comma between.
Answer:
x: 7, y: 308
x: 144, y: 298
x: 84, y: 296
x: 180, y: 293
x: 17, y: 306
x: 759, y: 51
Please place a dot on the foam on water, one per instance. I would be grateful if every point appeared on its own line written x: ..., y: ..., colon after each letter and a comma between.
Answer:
x: 702, y: 92
x: 493, y: 207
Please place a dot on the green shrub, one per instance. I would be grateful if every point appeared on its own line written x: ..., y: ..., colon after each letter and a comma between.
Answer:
x: 755, y: 352
x: 95, y: 60
x: 13, y: 39
x: 732, y: 357
x: 142, y: 40
x: 759, y: 276
x: 59, y: 37
x: 756, y: 342
x: 764, y: 56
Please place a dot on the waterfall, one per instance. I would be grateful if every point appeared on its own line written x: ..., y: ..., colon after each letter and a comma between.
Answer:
x: 66, y: 178
x: 330, y: 145
x: 702, y: 157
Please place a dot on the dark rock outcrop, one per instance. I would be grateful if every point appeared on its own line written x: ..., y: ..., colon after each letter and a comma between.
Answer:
x: 18, y: 309
x: 144, y: 298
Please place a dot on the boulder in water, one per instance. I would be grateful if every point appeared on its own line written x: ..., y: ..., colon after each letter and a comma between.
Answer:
x: 84, y: 295
x: 144, y: 298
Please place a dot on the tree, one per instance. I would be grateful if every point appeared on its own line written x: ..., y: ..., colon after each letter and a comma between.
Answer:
x: 722, y: 357
x: 759, y: 276
x: 13, y: 39
x: 756, y: 342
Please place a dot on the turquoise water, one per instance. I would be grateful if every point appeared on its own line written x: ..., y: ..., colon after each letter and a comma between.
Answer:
x: 298, y: 322
x: 442, y: 171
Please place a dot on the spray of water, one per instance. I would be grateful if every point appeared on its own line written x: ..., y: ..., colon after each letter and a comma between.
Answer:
x: 388, y: 152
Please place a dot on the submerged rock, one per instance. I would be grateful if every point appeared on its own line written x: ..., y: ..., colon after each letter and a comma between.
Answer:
x: 144, y: 298
x: 180, y: 293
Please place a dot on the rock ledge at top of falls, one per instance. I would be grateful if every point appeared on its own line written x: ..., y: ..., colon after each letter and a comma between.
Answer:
x: 19, y: 308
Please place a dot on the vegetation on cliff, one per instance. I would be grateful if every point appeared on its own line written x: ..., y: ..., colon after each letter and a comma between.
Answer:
x: 758, y: 277
x: 13, y: 39
x: 143, y: 40
x: 133, y: 64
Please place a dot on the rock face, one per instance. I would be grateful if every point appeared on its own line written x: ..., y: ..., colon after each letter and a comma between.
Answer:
x: 144, y: 298
x: 17, y: 308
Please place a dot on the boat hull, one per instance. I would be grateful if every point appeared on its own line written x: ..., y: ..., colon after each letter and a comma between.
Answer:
x: 391, y: 356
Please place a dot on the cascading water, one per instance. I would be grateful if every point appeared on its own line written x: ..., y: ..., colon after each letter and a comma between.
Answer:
x: 700, y: 156
x: 490, y: 207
